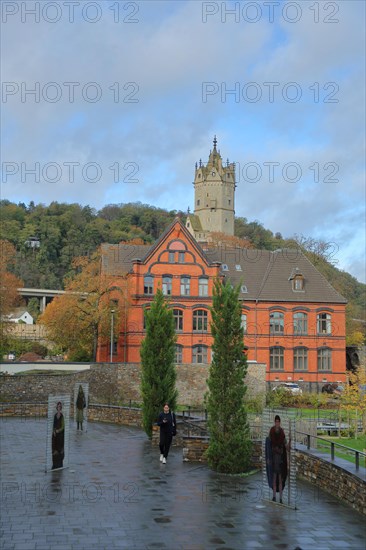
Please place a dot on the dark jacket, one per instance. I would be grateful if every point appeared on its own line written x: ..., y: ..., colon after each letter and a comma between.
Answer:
x: 170, y: 426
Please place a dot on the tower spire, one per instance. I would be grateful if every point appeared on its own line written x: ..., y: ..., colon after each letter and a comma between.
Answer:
x: 215, y: 143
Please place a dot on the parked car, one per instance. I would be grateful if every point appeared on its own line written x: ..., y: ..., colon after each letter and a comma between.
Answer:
x: 333, y: 388
x: 291, y: 387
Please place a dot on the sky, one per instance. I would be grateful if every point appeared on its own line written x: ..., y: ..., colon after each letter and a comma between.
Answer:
x: 110, y: 102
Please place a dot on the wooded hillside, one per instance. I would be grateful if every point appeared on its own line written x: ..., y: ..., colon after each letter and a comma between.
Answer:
x: 47, y: 238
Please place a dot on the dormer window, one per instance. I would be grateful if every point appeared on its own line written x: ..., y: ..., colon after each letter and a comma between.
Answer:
x: 238, y: 267
x: 298, y: 283
x: 243, y: 289
x: 225, y: 267
x: 297, y: 280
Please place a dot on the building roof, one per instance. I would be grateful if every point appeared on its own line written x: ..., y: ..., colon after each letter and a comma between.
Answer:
x: 195, y: 222
x: 117, y: 258
x: 263, y: 275
x: 268, y: 275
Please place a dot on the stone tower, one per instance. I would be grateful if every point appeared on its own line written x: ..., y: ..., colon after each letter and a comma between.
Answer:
x: 214, y: 194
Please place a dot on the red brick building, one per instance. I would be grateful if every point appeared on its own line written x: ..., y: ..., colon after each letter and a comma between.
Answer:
x: 293, y: 319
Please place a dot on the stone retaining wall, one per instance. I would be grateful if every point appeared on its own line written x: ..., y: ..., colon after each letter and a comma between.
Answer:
x: 194, y: 450
x: 331, y: 478
x: 118, y: 383
x: 115, y: 415
x: 129, y: 416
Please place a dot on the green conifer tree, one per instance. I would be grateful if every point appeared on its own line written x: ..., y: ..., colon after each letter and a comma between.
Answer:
x: 158, y: 361
x: 230, y: 446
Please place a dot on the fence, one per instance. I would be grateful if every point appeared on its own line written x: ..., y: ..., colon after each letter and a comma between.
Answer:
x: 356, y: 454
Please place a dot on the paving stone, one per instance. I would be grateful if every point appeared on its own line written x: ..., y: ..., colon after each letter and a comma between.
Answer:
x: 116, y: 494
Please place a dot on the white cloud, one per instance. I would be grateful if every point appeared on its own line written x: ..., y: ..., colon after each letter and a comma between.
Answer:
x: 169, y: 54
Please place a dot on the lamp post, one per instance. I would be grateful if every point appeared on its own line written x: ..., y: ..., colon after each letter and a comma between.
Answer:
x: 112, y: 338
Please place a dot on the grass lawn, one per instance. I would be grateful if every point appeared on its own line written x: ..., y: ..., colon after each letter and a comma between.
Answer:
x: 359, y: 444
x: 323, y: 413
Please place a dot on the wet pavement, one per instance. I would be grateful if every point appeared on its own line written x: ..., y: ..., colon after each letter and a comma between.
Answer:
x: 116, y: 494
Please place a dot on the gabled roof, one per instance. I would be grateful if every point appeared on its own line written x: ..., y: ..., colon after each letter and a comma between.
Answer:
x: 265, y: 276
x: 117, y: 259
x: 187, y: 235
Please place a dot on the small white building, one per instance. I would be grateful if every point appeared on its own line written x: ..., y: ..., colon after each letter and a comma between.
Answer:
x: 20, y: 315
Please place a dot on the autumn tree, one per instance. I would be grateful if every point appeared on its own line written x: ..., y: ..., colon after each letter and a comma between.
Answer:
x: 158, y: 361
x: 9, y: 294
x: 77, y: 320
x: 229, y: 446
x: 353, y: 398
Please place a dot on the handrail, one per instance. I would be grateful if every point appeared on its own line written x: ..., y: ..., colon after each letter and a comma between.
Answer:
x: 334, y: 444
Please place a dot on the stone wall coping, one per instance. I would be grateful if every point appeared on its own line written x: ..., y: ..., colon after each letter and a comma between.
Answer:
x: 105, y: 405
x: 196, y: 437
x: 338, y: 463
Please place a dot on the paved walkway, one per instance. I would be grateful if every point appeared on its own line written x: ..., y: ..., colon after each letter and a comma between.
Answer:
x: 116, y: 494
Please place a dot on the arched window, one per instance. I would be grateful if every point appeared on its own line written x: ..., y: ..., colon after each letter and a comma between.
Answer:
x: 324, y: 359
x: 324, y: 323
x: 276, y: 358
x: 200, y: 320
x: 199, y: 354
x: 145, y: 310
x: 148, y: 284
x: 300, y: 323
x: 203, y: 286
x: 185, y: 286
x: 300, y: 359
x: 244, y: 322
x: 167, y: 285
x: 276, y: 322
x: 178, y: 319
x: 178, y: 354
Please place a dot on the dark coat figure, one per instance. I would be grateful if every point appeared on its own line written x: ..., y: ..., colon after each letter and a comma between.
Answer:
x: 80, y: 406
x: 58, y: 438
x: 276, y: 458
x: 167, y: 424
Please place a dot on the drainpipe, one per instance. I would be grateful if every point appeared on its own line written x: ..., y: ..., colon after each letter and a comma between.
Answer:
x: 256, y: 330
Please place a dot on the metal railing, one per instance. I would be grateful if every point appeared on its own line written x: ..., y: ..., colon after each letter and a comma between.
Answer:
x: 333, y: 444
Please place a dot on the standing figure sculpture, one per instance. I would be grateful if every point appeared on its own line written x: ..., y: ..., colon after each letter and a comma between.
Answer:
x: 80, y: 406
x: 276, y: 458
x: 58, y: 438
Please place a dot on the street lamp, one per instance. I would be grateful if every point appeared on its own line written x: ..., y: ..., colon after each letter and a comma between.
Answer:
x: 112, y: 337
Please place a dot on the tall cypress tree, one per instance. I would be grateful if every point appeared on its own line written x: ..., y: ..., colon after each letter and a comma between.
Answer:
x: 230, y: 446
x: 158, y: 361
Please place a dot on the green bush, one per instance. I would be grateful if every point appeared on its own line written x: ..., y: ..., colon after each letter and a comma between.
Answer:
x: 281, y: 398
x: 20, y: 346
x: 79, y: 356
x: 255, y: 403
